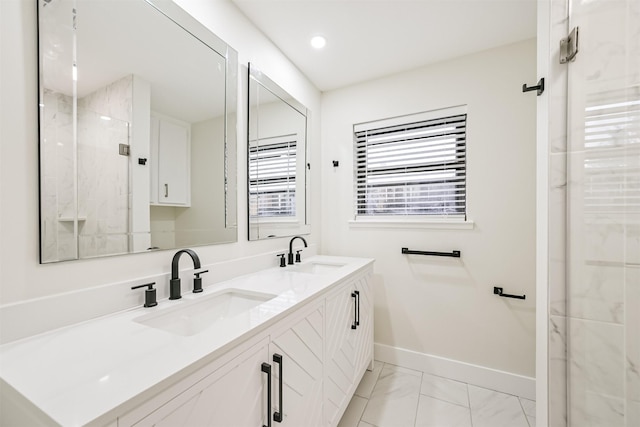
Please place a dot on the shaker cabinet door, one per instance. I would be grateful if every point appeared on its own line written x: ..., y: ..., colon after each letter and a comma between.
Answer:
x: 170, y: 171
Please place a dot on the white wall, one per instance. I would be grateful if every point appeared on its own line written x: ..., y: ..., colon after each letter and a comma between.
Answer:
x: 204, y: 220
x: 446, y: 307
x: 22, y: 276
x: 441, y: 307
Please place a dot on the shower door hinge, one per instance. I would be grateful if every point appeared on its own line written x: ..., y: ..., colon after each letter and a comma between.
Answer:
x: 569, y: 47
x: 123, y: 150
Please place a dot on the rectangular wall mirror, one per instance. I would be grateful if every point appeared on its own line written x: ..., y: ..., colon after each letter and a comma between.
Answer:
x: 277, y: 160
x: 137, y: 115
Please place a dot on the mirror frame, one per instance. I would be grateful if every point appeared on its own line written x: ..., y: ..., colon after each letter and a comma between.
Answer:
x: 199, y: 31
x: 261, y: 79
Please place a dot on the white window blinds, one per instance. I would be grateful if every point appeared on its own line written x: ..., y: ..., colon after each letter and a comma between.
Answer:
x: 413, y: 165
x: 272, y: 177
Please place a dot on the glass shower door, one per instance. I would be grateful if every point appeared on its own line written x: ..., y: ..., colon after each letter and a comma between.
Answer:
x: 603, y: 216
x: 103, y: 182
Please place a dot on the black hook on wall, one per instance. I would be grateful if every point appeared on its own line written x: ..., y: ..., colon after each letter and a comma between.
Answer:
x: 539, y: 87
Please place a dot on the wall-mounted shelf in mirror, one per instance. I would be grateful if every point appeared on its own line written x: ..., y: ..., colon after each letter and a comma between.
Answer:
x: 137, y: 109
x: 277, y: 160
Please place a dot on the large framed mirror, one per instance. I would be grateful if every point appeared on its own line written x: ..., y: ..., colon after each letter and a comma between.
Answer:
x: 277, y: 160
x: 137, y: 116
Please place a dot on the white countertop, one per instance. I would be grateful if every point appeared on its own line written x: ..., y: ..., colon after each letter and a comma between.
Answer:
x: 81, y: 372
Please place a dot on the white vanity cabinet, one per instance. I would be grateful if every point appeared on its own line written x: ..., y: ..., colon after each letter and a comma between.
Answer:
x: 322, y: 350
x: 231, y: 395
x: 297, y: 347
x: 348, y: 343
x: 235, y: 393
x: 170, y: 162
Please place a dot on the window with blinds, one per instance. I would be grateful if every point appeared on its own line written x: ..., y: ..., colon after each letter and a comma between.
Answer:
x: 272, y: 177
x: 412, y: 165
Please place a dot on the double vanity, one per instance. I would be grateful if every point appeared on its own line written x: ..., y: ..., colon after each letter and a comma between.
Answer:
x: 283, y: 346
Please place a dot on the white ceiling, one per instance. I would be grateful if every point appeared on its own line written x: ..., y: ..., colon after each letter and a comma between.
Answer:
x: 367, y: 39
x: 109, y: 45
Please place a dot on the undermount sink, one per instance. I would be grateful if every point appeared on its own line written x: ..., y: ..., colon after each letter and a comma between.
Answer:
x: 190, y: 318
x: 314, y: 267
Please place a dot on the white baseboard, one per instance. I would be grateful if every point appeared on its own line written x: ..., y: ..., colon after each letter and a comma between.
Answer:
x: 493, y: 379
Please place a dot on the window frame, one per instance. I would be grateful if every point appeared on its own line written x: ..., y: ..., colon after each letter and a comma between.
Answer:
x: 451, y: 221
x: 289, y: 180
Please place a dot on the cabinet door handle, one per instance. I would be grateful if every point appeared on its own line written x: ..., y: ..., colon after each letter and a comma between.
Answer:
x: 354, y: 325
x: 357, y: 307
x: 166, y: 190
x: 277, y: 416
x: 266, y: 368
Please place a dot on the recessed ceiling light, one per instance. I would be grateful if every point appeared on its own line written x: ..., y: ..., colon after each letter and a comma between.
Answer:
x: 318, y: 42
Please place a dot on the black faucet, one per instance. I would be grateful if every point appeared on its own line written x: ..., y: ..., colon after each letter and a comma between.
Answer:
x: 290, y: 256
x: 174, y: 283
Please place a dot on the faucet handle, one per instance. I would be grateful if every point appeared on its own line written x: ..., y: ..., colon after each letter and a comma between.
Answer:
x: 149, y: 294
x: 283, y: 263
x: 298, y: 255
x: 197, y: 281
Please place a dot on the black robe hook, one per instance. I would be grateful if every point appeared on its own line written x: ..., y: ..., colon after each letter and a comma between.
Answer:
x: 539, y: 87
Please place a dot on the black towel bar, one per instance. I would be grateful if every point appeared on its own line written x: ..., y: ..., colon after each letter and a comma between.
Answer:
x: 454, y: 254
x: 498, y: 291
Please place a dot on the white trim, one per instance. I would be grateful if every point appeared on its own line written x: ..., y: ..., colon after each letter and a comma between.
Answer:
x: 399, y: 120
x: 505, y: 382
x: 441, y: 224
x: 273, y: 140
x: 542, y: 214
x: 275, y: 221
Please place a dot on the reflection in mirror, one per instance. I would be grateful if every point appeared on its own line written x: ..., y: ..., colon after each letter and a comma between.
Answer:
x: 137, y: 129
x: 277, y: 161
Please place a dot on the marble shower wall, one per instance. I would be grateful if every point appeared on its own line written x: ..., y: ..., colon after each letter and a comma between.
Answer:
x: 98, y: 193
x: 104, y: 191
x: 57, y: 201
x: 603, y: 205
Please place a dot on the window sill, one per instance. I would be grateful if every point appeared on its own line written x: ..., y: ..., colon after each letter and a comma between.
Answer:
x: 276, y: 222
x: 438, y: 224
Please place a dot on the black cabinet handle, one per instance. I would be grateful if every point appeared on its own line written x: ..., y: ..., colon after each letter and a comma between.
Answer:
x: 266, y: 368
x: 357, y: 307
x: 354, y: 325
x: 277, y: 416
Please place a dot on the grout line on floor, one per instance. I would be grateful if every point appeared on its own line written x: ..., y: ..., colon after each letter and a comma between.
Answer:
x: 446, y: 401
x: 470, y: 409
x: 422, y: 379
x: 526, y: 417
x: 415, y: 413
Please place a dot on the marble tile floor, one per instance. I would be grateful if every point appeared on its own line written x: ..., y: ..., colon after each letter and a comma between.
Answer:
x: 393, y: 396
